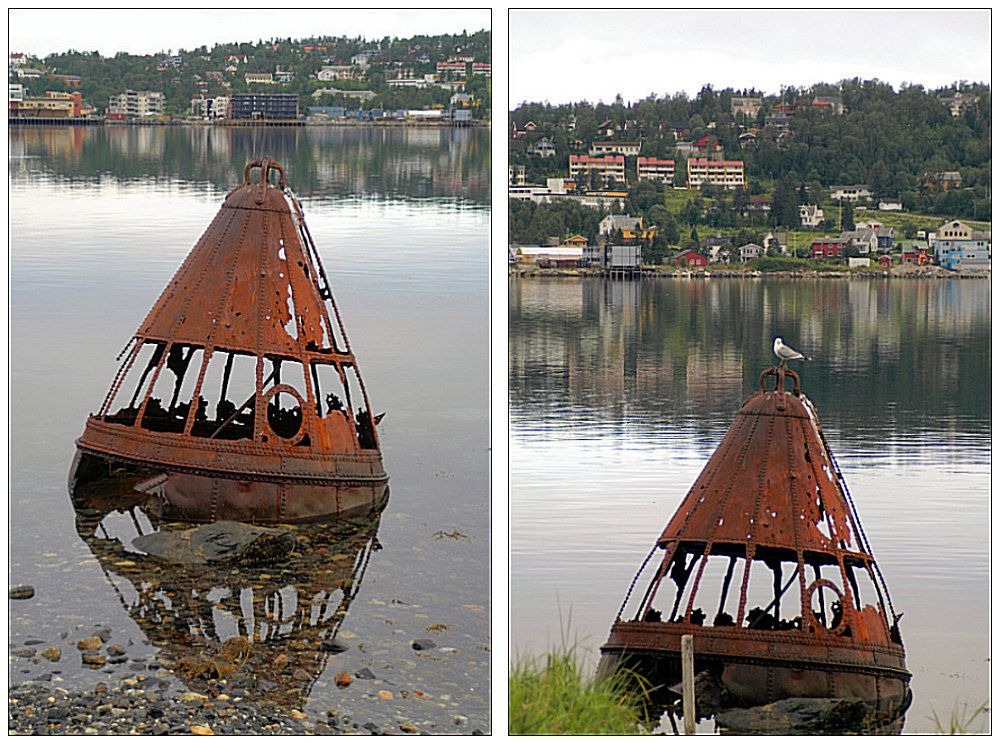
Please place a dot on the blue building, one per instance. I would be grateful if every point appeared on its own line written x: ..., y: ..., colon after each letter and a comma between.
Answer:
x: 958, y: 246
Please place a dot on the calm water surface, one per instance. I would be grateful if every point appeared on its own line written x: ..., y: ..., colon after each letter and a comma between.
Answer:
x: 100, y: 218
x: 621, y: 390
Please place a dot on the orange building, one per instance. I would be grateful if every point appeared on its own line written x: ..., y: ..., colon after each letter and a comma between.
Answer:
x: 55, y: 105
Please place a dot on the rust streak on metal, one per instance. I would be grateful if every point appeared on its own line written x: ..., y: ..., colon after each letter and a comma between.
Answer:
x: 772, y: 504
x: 240, y: 372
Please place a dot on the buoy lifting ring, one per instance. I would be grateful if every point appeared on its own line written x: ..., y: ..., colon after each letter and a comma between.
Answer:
x: 265, y: 164
x: 779, y: 386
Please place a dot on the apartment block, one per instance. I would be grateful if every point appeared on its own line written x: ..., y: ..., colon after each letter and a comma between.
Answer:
x: 612, y: 166
x: 264, y: 106
x: 136, y: 104
x: 725, y: 173
x: 656, y: 170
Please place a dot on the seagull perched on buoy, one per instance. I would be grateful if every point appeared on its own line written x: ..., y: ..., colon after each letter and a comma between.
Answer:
x: 787, y: 354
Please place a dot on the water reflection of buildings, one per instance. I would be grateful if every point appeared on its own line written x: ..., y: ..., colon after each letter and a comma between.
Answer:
x: 408, y: 162
x: 269, y: 629
x: 685, y: 348
x: 136, y: 141
x: 616, y: 343
x: 59, y: 143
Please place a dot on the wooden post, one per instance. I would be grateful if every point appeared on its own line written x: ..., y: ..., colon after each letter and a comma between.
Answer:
x: 687, y: 680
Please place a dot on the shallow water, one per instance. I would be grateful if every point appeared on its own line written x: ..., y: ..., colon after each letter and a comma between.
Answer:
x: 621, y: 390
x: 100, y: 218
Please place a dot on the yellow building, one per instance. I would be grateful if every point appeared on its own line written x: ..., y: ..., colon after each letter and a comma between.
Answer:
x: 725, y: 173
x: 55, y: 105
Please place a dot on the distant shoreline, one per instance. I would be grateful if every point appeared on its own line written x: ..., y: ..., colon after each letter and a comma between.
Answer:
x: 921, y: 272
x: 228, y: 124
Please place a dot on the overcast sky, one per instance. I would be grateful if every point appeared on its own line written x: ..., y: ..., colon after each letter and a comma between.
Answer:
x: 565, y: 56
x: 42, y: 32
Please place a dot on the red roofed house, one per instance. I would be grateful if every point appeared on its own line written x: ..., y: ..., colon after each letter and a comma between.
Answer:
x: 708, y: 143
x: 609, y: 165
x: 690, y: 259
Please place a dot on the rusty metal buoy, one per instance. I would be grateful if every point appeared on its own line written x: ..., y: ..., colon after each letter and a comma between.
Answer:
x: 239, y: 396
x: 766, y: 565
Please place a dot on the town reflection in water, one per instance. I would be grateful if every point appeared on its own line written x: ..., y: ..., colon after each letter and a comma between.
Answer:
x: 266, y: 626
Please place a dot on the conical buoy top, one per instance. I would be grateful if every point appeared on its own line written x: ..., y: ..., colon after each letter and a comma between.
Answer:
x: 242, y: 371
x: 771, y: 481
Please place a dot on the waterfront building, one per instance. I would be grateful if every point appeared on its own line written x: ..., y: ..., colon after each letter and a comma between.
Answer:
x: 55, y: 105
x: 829, y: 247
x: 957, y: 246
x: 750, y: 251
x: 614, y: 258
x: 264, y: 106
x: 135, y: 104
x: 689, y: 259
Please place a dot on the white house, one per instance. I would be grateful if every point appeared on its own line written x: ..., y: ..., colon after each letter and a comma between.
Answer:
x: 335, y: 72
x: 621, y: 222
x: 750, y: 251
x: 543, y: 148
x: 810, y: 215
x: 850, y: 193
x: 363, y: 59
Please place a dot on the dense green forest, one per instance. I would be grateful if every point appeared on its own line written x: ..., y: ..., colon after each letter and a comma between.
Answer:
x: 893, y: 141
x: 102, y: 77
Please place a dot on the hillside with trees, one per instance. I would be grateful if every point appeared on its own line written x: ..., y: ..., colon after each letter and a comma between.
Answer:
x: 102, y: 77
x: 897, y: 142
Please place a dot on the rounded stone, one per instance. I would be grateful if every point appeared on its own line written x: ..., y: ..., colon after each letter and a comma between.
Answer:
x: 21, y: 592
x: 53, y: 653
x: 90, y: 643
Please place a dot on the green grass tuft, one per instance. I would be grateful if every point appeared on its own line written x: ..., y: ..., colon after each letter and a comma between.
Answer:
x: 960, y: 721
x: 557, y: 700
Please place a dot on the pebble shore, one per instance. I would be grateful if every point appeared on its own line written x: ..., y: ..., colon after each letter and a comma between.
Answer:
x: 87, y: 683
x: 147, y: 706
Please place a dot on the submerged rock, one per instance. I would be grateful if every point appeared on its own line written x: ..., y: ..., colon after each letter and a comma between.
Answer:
x: 219, y: 543
x: 89, y: 643
x: 52, y: 654
x: 797, y: 714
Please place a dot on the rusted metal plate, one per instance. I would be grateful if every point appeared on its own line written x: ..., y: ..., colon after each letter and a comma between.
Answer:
x: 766, y: 564
x: 242, y: 368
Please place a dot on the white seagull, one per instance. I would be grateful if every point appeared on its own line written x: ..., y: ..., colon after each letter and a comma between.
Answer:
x: 787, y: 354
